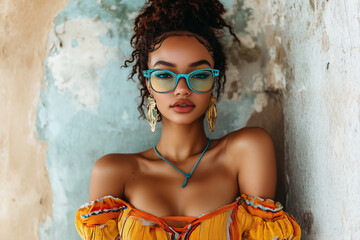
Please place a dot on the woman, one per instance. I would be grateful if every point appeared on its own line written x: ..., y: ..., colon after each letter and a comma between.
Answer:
x: 187, y: 186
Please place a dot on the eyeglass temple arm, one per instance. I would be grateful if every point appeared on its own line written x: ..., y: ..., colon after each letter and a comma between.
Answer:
x: 146, y: 73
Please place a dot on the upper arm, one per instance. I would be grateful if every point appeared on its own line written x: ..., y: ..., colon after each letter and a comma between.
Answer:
x: 253, y: 155
x: 108, y: 176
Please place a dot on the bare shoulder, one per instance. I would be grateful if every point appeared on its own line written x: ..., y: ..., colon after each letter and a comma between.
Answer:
x: 109, y: 175
x: 249, y: 138
x: 251, y: 151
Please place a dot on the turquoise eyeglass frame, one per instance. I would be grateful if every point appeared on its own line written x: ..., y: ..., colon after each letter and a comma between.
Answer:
x: 215, y: 73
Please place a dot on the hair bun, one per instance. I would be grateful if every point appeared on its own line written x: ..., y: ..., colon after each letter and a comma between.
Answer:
x: 188, y: 14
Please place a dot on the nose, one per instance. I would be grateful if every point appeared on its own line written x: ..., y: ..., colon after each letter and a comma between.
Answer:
x: 182, y: 88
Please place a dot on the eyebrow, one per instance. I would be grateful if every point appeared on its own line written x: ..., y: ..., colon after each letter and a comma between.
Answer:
x: 194, y: 64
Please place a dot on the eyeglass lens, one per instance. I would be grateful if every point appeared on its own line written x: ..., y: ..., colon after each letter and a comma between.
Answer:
x: 164, y: 81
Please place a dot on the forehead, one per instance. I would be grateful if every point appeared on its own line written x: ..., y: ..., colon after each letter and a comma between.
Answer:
x: 180, y: 50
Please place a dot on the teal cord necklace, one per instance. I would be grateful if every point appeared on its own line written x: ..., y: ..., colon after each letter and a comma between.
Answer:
x: 186, y: 175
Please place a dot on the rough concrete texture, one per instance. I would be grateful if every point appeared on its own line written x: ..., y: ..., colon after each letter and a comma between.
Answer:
x: 322, y: 116
x: 25, y: 190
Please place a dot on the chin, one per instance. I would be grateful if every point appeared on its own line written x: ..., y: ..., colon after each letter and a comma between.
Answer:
x: 185, y: 120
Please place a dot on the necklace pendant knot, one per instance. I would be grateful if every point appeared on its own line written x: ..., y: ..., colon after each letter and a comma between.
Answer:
x: 186, y: 179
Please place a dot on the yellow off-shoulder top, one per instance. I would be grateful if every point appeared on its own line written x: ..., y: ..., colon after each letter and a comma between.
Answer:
x: 246, y: 218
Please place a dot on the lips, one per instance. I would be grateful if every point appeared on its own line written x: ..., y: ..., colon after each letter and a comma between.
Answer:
x: 183, y: 106
x: 183, y: 103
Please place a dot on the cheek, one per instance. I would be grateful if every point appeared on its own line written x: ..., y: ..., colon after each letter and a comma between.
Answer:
x: 203, y: 102
x: 206, y: 104
x: 162, y: 101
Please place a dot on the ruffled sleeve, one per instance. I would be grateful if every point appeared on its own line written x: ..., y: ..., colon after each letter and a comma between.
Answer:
x: 266, y: 220
x: 98, y: 219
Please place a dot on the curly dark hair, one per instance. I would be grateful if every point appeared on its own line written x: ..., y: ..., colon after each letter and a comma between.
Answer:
x: 158, y: 17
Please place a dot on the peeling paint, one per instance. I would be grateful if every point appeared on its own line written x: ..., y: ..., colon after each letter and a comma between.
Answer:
x: 77, y: 70
x: 74, y: 43
x: 258, y: 85
x: 276, y: 79
x: 260, y: 102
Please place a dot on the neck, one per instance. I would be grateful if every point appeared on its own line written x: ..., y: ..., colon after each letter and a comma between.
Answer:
x: 178, y: 142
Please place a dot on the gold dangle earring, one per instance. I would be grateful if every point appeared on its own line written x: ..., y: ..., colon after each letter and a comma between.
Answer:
x: 152, y: 115
x: 211, y: 113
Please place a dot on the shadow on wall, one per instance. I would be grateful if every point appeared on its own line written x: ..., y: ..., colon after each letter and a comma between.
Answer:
x: 271, y: 118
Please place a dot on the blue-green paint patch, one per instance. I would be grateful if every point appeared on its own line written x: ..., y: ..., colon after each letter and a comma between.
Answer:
x: 109, y: 39
x: 74, y: 43
x: 240, y: 16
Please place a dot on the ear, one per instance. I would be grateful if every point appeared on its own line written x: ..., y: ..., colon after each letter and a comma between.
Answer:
x: 217, y: 80
x: 148, y: 85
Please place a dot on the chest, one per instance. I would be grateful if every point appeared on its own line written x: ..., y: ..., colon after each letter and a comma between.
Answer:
x: 156, y: 188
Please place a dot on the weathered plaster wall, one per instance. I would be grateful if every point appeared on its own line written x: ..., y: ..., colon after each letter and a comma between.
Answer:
x: 25, y: 192
x: 50, y: 139
x: 322, y: 116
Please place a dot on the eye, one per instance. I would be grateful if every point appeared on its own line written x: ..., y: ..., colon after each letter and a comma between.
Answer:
x: 201, y: 75
x: 162, y: 75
